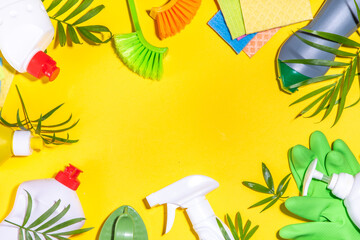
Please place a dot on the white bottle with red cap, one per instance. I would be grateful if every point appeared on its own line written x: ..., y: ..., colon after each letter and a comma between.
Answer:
x: 25, y: 32
x: 44, y: 194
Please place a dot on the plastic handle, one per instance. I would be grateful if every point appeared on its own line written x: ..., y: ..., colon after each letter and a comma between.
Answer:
x: 124, y: 226
x: 156, y: 10
x: 134, y: 16
x: 171, y: 208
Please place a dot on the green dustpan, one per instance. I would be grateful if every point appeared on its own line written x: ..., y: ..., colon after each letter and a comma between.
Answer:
x: 124, y: 224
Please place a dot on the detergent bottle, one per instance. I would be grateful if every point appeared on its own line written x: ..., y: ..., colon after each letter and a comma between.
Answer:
x: 17, y: 143
x: 336, y: 16
x: 342, y: 185
x: 44, y: 194
x: 189, y: 193
x: 25, y: 32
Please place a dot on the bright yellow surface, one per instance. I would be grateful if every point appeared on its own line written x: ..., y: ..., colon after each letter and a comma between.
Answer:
x: 214, y: 113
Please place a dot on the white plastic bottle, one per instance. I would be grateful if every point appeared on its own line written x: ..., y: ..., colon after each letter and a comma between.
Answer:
x: 342, y: 185
x: 189, y: 193
x: 25, y: 32
x: 45, y: 193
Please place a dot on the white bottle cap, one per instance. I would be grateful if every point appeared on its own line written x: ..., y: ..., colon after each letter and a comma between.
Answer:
x: 21, y: 143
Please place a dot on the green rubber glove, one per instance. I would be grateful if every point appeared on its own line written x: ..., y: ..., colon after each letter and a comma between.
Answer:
x: 300, y: 157
x: 329, y: 216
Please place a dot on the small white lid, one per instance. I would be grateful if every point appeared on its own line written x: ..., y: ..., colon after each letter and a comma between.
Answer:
x: 21, y: 143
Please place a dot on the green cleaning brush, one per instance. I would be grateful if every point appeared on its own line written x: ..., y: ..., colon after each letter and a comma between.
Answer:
x: 139, y: 55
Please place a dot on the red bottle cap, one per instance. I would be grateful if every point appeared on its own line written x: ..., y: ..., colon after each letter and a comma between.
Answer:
x: 69, y: 177
x: 42, y: 65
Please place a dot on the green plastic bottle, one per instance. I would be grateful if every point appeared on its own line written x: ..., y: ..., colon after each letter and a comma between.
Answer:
x: 17, y: 143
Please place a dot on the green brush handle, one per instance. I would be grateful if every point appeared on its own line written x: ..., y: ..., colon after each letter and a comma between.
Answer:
x: 134, y: 16
x: 136, y: 23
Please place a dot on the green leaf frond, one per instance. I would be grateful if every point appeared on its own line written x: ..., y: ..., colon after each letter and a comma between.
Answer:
x: 239, y: 232
x: 47, y: 225
x: 64, y: 13
x: 269, y: 188
x: 39, y: 127
x: 333, y: 96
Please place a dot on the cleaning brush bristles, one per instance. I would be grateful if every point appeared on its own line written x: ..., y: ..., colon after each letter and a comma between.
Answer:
x: 174, y: 16
x: 139, y: 55
x: 147, y: 61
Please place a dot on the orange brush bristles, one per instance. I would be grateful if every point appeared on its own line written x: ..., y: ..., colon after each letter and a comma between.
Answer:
x: 174, y: 16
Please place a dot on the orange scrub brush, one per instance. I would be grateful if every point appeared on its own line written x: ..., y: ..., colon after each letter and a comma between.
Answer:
x: 174, y: 16
x: 139, y: 55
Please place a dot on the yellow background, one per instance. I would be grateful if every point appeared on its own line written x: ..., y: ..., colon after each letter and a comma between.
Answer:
x: 214, y: 113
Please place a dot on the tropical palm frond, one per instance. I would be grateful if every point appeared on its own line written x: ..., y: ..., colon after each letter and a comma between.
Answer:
x: 68, y: 29
x: 269, y: 188
x: 328, y: 98
x: 46, y: 226
x: 243, y: 233
x: 46, y: 132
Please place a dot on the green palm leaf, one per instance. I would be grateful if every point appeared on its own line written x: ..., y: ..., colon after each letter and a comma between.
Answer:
x: 268, y: 178
x: 31, y: 233
x: 222, y: 229
x: 315, y: 80
x: 84, y: 5
x: 39, y: 127
x: 333, y: 37
x: 317, y: 62
x: 332, y: 102
x: 311, y: 105
x: 323, y: 103
x: 262, y: 202
x: 245, y: 232
x: 74, y: 28
x: 276, y: 195
x: 313, y: 93
x: 337, y: 92
x: 335, y: 51
x: 53, y: 5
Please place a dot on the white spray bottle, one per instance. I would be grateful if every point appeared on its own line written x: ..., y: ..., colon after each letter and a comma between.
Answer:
x: 342, y: 185
x: 189, y: 193
x: 25, y: 32
x: 45, y: 193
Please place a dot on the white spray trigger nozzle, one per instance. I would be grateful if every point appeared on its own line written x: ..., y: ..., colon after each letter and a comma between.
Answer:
x: 170, y: 218
x: 312, y: 173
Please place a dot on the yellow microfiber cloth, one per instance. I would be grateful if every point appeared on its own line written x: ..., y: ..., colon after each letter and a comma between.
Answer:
x: 261, y: 15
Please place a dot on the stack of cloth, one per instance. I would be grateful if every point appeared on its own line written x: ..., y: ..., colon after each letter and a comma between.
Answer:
x: 247, y: 25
